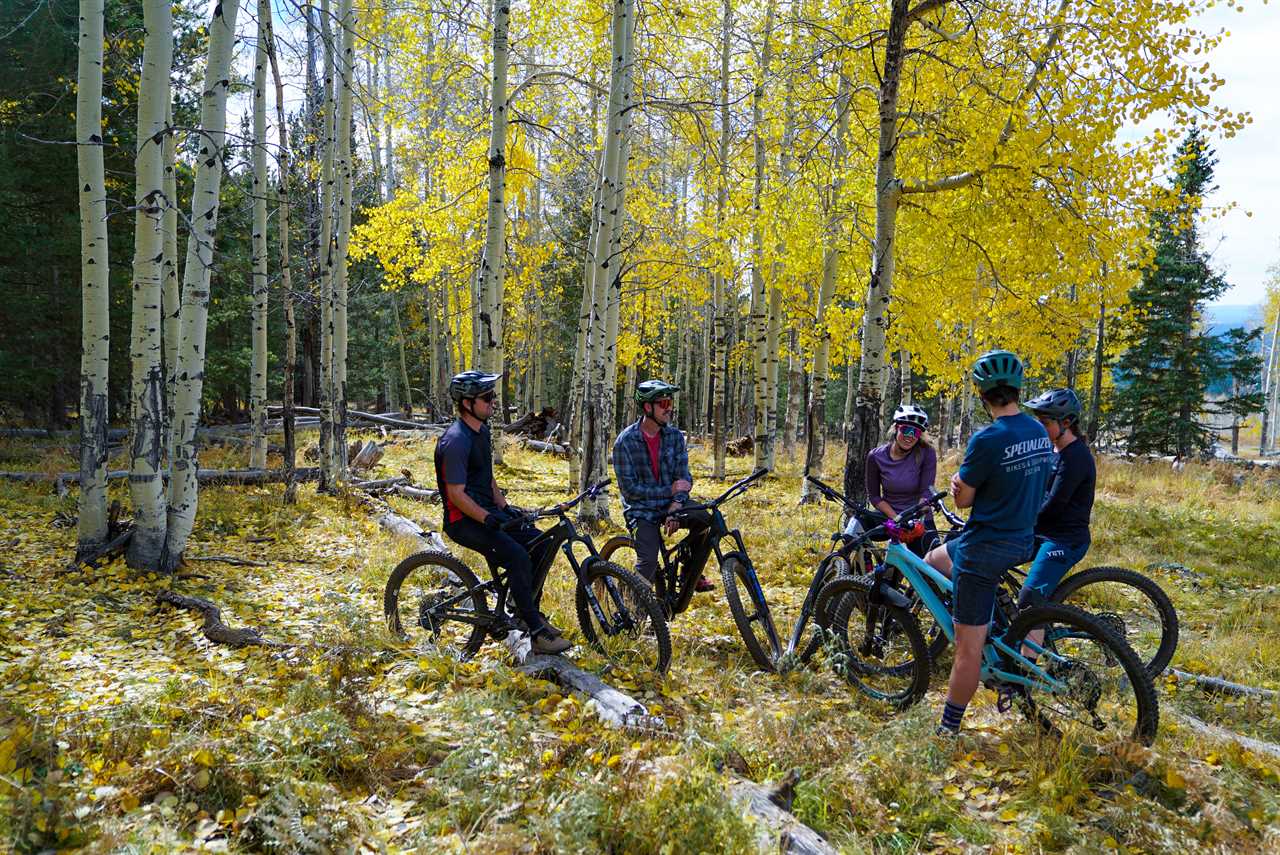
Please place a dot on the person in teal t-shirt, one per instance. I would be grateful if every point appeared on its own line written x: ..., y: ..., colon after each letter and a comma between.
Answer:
x: 1002, y: 478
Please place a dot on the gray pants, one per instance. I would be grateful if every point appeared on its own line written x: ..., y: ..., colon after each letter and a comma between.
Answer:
x: 648, y: 538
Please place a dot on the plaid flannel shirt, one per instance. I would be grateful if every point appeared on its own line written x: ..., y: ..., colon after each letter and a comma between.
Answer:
x: 645, y: 498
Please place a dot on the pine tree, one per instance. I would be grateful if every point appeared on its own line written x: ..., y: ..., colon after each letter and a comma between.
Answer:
x: 1171, y: 359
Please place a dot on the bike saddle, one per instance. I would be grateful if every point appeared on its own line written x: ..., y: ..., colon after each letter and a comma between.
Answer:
x: 864, y: 520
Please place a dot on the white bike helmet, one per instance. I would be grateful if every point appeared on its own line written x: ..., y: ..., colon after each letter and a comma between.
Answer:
x: 910, y: 414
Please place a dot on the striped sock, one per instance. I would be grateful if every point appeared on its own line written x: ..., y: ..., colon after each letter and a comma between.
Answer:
x: 951, y: 716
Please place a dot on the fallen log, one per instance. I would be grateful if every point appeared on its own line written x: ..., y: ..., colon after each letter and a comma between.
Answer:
x: 364, y: 456
x: 781, y: 831
x: 1257, y: 746
x: 382, y: 483
x: 419, y: 494
x: 205, y: 476
x: 369, y: 417
x: 425, y: 432
x: 214, y: 629
x: 1219, y: 686
x: 545, y: 447
x: 410, y: 530
x: 613, y: 707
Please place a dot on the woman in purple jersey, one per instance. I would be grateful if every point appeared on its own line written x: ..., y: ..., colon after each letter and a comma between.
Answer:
x: 901, y: 472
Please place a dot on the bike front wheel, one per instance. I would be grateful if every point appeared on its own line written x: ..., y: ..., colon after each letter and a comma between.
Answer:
x: 433, y: 597
x: 876, y: 647
x: 1095, y: 688
x: 620, y: 617
x: 1133, y: 605
x: 750, y: 613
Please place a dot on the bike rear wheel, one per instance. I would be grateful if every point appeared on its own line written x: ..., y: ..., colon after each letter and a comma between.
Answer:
x: 877, y: 647
x: 433, y: 597
x: 629, y: 625
x: 833, y: 567
x: 1133, y: 605
x: 750, y: 613
x: 1104, y: 694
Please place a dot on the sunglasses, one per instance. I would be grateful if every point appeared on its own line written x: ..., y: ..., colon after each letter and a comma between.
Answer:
x: 664, y: 403
x: 487, y: 397
x: 908, y: 431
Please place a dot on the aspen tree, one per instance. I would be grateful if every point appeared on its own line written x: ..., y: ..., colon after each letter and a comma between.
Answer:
x: 719, y: 356
x: 286, y: 270
x: 258, y: 364
x: 762, y: 305
x: 492, y: 274
x: 328, y: 259
x: 345, y: 175
x: 95, y: 292
x: 147, y: 439
x: 205, y: 198
x: 171, y: 287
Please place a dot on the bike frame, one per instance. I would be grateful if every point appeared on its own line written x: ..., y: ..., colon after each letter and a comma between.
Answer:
x: 928, y: 582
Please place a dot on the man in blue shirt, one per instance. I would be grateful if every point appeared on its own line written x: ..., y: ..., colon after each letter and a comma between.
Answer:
x: 1002, y: 478
x: 475, y: 507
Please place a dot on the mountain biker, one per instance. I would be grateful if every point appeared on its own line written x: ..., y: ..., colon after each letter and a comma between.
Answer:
x: 475, y: 507
x: 1062, y: 527
x: 1002, y: 478
x: 652, y: 466
x: 901, y: 472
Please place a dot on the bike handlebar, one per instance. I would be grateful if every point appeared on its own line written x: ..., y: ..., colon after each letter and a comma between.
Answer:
x: 737, y: 489
x: 555, y: 510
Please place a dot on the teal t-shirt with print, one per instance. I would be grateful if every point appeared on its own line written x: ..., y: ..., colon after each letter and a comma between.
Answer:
x: 1008, y: 463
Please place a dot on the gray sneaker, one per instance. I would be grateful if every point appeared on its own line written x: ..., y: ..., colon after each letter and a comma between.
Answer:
x: 549, y: 642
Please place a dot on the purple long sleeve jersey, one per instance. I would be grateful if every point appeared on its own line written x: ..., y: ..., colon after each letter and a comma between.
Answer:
x: 903, y: 482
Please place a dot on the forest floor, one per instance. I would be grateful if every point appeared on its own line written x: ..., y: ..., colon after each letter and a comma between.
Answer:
x: 123, y: 729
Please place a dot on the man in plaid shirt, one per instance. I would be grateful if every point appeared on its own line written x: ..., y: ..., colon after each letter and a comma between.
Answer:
x: 652, y: 467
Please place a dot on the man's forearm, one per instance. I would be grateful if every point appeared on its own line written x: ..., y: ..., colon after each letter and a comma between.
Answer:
x: 460, y: 500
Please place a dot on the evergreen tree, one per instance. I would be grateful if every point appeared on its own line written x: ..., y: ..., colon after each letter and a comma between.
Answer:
x: 1171, y: 359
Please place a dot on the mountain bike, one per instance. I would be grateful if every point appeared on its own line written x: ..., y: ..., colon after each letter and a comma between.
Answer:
x: 1134, y: 605
x: 1067, y: 669
x: 677, y: 574
x: 435, y: 592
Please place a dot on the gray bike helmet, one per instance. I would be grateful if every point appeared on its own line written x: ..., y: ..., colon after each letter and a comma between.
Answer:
x: 1060, y: 404
x: 471, y: 384
x: 910, y: 414
x: 997, y: 368
x: 655, y: 390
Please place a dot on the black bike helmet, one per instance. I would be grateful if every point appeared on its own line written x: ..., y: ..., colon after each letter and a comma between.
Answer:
x: 471, y: 384
x: 910, y: 414
x: 1060, y: 404
x: 655, y: 390
x: 997, y: 368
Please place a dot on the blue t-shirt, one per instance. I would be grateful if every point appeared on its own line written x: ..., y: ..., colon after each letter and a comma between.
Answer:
x: 1008, y: 463
x: 465, y: 456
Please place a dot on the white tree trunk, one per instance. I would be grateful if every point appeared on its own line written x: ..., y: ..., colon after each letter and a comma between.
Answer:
x: 146, y: 399
x: 258, y: 366
x: 328, y: 252
x: 596, y: 431
x: 95, y: 291
x: 1269, y: 382
x: 171, y: 278
x: 815, y: 423
x: 286, y: 274
x: 346, y: 177
x: 723, y: 301
x: 183, y: 483
x: 762, y: 304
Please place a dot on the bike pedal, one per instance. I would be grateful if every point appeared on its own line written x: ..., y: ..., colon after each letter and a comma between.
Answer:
x: 1006, y: 697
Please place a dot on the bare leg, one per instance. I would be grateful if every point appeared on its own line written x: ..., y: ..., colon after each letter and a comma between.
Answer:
x: 939, y: 560
x: 967, y: 667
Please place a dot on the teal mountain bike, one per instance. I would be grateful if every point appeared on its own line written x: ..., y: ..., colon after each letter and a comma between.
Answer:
x: 1067, y: 670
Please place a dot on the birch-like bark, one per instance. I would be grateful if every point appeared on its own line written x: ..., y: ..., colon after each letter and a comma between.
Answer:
x: 147, y: 437
x: 171, y: 289
x: 328, y: 252
x: 795, y: 392
x: 404, y: 365
x: 95, y: 294
x: 762, y: 304
x: 719, y: 298
x: 258, y: 366
x: 286, y: 270
x: 905, y: 356
x: 183, y: 484
x: 815, y: 417
x: 596, y: 428
x: 1269, y: 379
x: 346, y: 178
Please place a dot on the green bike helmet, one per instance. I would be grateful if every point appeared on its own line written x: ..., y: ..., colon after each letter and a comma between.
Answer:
x: 655, y: 390
x: 996, y: 368
x: 1059, y: 404
x: 471, y: 384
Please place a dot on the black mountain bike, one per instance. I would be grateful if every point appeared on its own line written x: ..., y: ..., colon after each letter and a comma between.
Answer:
x: 437, y: 593
x: 677, y: 575
x: 1132, y: 605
